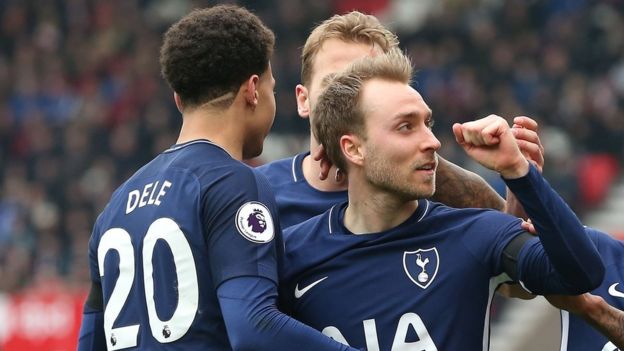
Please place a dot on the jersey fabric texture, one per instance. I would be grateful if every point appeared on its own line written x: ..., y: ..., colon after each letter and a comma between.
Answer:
x: 576, y: 334
x: 427, y: 284
x: 385, y: 291
x: 296, y: 199
x: 184, y: 223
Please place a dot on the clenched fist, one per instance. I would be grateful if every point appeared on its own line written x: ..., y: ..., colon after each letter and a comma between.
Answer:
x: 490, y: 142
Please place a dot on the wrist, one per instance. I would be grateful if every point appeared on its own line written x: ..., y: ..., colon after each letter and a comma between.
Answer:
x: 518, y: 170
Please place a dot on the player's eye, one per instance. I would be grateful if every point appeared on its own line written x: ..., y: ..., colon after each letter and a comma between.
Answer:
x: 430, y: 122
x: 404, y: 127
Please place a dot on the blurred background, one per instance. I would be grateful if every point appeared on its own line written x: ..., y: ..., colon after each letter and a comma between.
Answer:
x: 83, y: 106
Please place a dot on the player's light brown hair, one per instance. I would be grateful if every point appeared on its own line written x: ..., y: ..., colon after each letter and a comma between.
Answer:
x: 339, y: 111
x: 354, y: 27
x: 210, y: 52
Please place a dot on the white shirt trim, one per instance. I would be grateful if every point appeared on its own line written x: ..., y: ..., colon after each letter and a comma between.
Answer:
x: 424, y: 212
x: 565, y: 329
x: 330, y: 220
x: 292, y: 167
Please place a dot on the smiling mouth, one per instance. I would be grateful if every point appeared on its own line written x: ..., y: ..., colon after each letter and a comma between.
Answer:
x: 431, y: 166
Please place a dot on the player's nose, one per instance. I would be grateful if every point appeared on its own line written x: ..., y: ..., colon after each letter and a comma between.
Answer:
x: 429, y: 141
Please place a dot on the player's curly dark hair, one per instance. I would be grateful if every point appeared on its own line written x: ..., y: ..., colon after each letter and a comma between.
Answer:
x: 211, y: 52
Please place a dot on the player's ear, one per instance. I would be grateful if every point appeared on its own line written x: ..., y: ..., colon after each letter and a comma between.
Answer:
x: 303, y: 101
x: 250, y: 90
x: 178, y: 102
x: 351, y: 148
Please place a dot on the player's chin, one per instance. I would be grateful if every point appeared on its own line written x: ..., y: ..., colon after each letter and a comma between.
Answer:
x: 425, y: 178
x: 427, y: 187
x: 427, y: 193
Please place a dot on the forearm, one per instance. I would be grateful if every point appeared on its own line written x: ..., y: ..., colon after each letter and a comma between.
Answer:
x: 457, y: 187
x: 608, y: 320
x: 568, y: 248
x: 513, y: 206
x: 254, y: 323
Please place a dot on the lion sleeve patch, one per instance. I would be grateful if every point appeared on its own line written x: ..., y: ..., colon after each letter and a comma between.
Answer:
x: 254, y: 222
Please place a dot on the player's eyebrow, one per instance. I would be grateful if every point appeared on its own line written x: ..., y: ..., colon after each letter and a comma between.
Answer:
x: 414, y: 114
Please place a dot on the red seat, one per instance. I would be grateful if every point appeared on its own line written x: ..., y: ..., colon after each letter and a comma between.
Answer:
x: 596, y: 173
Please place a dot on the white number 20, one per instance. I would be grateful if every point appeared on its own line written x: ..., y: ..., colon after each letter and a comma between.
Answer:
x: 188, y: 292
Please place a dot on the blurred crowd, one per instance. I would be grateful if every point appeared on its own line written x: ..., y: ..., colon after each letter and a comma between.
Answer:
x: 83, y: 105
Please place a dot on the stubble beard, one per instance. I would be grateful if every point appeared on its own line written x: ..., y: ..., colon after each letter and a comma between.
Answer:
x: 381, y: 174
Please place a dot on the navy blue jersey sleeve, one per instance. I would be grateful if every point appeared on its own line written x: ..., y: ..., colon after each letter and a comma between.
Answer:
x: 94, y: 270
x: 91, y: 336
x: 240, y: 225
x: 564, y: 260
x: 254, y: 323
x: 487, y: 237
x: 606, y: 245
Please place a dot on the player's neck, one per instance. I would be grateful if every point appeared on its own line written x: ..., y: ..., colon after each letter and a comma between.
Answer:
x: 312, y: 169
x: 375, y: 211
x: 200, y: 124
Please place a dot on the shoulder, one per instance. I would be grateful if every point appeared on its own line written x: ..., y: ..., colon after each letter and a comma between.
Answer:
x: 600, y: 235
x: 236, y: 180
x: 273, y: 166
x: 437, y: 209
x: 301, y: 231
x: 306, y: 244
x: 472, y: 218
x: 306, y: 237
x: 609, y: 247
x: 285, y: 170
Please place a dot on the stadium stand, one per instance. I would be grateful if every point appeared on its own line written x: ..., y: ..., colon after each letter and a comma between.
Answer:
x: 82, y: 103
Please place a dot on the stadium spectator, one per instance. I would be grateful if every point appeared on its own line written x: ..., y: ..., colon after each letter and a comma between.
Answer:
x: 78, y: 78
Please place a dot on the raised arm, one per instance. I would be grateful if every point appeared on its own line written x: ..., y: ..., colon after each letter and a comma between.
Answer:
x: 525, y: 130
x: 564, y: 260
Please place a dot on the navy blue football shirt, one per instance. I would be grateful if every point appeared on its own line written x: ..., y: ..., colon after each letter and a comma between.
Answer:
x: 179, y: 227
x: 427, y: 284
x: 296, y: 199
x: 391, y: 290
x: 576, y: 334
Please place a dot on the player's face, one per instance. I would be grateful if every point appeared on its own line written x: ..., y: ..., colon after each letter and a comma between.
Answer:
x: 263, y: 117
x: 399, y: 148
x: 334, y: 56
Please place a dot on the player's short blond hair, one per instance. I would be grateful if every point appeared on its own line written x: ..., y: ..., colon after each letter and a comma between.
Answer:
x: 339, y: 111
x: 354, y: 27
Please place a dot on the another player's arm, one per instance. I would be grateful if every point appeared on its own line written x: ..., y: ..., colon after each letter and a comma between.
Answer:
x: 245, y: 271
x: 514, y: 290
x: 455, y: 186
x: 253, y: 321
x: 460, y: 188
x: 605, y: 318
